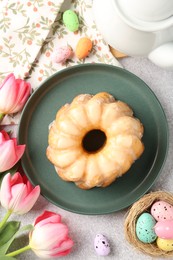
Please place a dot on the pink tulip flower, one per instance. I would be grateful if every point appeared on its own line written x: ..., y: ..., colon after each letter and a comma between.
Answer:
x: 10, y: 152
x: 49, y: 238
x: 13, y: 94
x: 17, y: 194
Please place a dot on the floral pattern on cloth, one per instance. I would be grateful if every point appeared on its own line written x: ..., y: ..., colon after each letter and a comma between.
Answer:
x: 24, y: 26
x: 43, y: 65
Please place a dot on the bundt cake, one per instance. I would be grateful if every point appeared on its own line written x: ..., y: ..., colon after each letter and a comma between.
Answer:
x: 94, y: 140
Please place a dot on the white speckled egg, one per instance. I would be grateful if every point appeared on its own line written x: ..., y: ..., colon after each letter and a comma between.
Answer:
x: 162, y: 210
x: 101, y: 245
x: 145, y: 228
x: 165, y: 244
x: 61, y: 54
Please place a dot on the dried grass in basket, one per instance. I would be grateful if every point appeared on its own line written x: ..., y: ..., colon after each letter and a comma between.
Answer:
x: 143, y: 205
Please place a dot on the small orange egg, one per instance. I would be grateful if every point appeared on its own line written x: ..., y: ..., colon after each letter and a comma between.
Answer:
x: 83, y: 48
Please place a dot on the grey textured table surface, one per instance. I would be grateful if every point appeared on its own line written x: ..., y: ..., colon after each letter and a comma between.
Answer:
x: 83, y: 228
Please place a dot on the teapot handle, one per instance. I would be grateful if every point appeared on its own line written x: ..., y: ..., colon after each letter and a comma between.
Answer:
x: 163, y: 55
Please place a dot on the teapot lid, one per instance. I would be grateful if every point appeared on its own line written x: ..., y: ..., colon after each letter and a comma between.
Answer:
x: 146, y: 15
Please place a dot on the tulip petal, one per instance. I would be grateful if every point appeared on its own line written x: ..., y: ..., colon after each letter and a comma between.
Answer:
x: 47, y: 217
x: 15, y: 195
x: 29, y: 186
x: 5, y: 191
x: 6, y: 147
x: 23, y: 92
x: 3, y: 136
x: 55, y: 252
x: 63, y: 249
x: 8, y: 95
x: 6, y: 188
x: 6, y: 79
x: 20, y: 151
x: 18, y: 192
x: 28, y: 202
x: 48, y: 236
x: 16, y: 179
x: 13, y: 94
x: 10, y: 154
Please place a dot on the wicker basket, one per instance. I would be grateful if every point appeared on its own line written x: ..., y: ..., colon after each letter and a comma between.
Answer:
x: 143, y: 205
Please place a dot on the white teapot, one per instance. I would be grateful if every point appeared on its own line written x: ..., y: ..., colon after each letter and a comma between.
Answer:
x: 138, y: 27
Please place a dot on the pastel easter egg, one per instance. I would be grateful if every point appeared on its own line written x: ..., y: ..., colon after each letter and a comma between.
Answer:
x: 162, y: 210
x: 61, y: 54
x: 165, y: 244
x: 83, y: 48
x: 164, y: 229
x: 101, y: 245
x: 145, y: 228
x: 70, y: 20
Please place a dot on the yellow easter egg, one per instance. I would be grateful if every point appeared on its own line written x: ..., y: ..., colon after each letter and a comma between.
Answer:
x: 165, y: 244
x: 83, y: 48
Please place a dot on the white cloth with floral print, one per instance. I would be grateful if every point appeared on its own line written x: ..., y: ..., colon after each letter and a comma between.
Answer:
x: 29, y: 42
x: 24, y: 26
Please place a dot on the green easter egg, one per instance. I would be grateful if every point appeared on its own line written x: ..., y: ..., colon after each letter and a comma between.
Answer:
x: 70, y: 20
x: 145, y: 228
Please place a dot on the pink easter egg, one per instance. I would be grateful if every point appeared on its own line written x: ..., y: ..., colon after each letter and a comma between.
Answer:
x: 61, y: 54
x: 164, y: 229
x: 162, y: 210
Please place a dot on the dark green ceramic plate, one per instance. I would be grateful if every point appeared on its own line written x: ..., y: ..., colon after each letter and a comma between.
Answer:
x: 61, y: 88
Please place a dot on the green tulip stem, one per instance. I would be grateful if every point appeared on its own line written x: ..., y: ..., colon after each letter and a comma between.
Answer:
x: 19, y: 251
x: 1, y: 116
x: 6, y: 217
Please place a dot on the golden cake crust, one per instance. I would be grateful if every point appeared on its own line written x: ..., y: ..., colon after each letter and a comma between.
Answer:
x: 94, y: 168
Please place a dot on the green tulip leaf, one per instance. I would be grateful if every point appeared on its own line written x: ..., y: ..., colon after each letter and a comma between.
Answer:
x: 7, y: 235
x: 28, y: 227
x: 8, y: 231
x: 5, y: 247
x: 6, y: 257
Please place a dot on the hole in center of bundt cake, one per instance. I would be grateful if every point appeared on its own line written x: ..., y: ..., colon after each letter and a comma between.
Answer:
x: 94, y: 140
